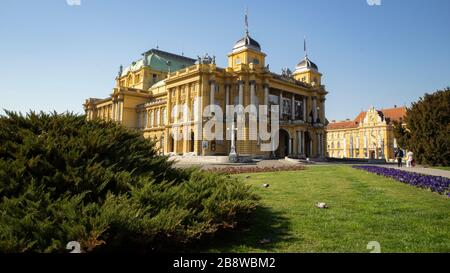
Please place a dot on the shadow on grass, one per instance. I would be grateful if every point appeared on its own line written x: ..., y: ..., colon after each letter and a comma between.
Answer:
x: 249, y: 236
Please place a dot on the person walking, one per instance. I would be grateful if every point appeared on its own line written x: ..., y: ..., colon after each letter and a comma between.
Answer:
x: 410, y: 158
x: 399, y: 156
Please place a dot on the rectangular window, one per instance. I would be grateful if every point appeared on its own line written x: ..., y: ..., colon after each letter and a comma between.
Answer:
x: 151, y: 119
x: 164, y: 116
x: 137, y: 78
x: 139, y: 121
x: 145, y: 125
x: 157, y: 118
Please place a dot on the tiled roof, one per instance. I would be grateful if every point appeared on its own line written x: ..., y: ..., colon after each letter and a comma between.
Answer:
x: 342, y: 125
x: 161, y: 61
x: 391, y: 114
x: 394, y: 113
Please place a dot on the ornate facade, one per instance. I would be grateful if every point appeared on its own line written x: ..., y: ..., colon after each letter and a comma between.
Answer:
x: 369, y: 136
x: 147, y: 91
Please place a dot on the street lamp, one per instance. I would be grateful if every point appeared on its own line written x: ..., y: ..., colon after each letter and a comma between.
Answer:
x: 233, y: 156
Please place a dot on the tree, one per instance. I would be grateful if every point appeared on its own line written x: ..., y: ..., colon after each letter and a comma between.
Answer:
x: 64, y: 179
x: 427, y: 132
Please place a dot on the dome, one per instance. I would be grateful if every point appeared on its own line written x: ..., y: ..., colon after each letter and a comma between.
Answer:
x: 306, y: 63
x: 248, y: 43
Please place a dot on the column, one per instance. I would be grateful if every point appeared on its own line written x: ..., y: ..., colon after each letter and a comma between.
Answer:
x: 188, y: 103
x: 252, y: 99
x: 321, y: 145
x: 227, y: 95
x: 351, y: 146
x: 177, y: 96
x: 212, y: 92
x: 303, y: 143
x: 304, y: 110
x: 290, y: 146
x: 113, y: 111
x: 281, y: 104
x: 240, y: 113
x: 293, y: 107
x: 266, y: 95
x: 169, y: 111
x: 323, y: 112
x: 345, y: 146
x: 314, y: 109
x: 241, y: 93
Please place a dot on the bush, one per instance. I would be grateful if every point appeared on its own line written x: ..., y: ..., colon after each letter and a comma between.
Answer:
x: 64, y: 179
x: 428, y: 129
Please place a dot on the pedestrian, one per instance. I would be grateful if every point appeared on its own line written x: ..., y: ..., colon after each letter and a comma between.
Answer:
x: 409, y: 160
x: 399, y: 156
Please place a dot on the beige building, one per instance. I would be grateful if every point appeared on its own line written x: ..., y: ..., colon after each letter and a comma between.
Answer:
x: 147, y: 91
x: 369, y: 136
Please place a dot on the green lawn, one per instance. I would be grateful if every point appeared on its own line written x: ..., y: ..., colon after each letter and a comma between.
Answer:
x: 442, y: 168
x: 363, y: 207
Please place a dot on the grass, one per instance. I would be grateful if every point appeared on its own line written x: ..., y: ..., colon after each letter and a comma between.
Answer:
x: 363, y: 207
x: 447, y: 168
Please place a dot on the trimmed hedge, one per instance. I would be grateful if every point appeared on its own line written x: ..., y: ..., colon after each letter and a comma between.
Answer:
x: 63, y: 179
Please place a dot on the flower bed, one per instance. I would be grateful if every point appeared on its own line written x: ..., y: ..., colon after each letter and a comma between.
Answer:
x: 256, y: 169
x: 437, y: 184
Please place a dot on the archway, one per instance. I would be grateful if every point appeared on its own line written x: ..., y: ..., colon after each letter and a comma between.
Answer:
x: 192, y: 143
x: 171, y: 144
x: 308, y: 144
x: 283, y: 144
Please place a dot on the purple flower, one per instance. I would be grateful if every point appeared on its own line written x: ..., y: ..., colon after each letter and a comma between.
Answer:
x: 437, y: 184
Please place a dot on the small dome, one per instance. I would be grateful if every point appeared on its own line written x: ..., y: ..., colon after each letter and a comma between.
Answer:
x: 306, y: 63
x: 246, y: 42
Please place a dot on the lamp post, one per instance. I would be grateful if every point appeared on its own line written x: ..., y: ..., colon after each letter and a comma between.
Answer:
x: 233, y: 156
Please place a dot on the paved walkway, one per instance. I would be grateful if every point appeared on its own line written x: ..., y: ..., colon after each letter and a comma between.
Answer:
x: 262, y: 164
x: 418, y: 169
x: 281, y: 162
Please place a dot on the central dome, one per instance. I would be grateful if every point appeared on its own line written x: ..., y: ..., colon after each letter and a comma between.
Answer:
x: 306, y: 63
x: 246, y: 43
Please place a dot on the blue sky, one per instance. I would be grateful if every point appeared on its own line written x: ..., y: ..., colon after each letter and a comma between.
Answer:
x: 53, y: 56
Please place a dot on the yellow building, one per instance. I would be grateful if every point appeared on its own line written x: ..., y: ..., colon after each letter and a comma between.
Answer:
x: 147, y: 91
x: 369, y: 136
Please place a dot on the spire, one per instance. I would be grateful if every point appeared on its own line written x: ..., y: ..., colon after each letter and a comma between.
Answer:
x: 304, y: 46
x: 246, y: 21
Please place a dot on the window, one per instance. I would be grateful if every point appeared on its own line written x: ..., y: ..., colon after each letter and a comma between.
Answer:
x: 164, y: 116
x: 151, y: 119
x: 139, y: 121
x: 157, y: 118
x: 255, y: 61
x: 137, y: 78
x: 155, y: 78
x: 238, y: 61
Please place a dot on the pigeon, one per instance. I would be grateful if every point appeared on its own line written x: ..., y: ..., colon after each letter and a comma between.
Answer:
x: 322, y: 205
x: 265, y: 185
x: 248, y: 176
x: 264, y: 241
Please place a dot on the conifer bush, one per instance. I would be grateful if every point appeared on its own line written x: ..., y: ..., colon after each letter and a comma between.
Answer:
x: 64, y: 179
x: 427, y: 132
